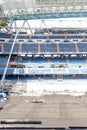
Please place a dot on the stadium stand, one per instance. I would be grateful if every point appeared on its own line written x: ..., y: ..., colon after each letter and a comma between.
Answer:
x: 56, y: 54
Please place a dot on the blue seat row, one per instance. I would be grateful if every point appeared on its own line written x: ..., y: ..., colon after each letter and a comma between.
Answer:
x: 82, y: 47
x: 32, y: 48
x: 50, y: 37
x: 38, y: 36
x: 74, y: 37
x: 46, y: 47
x: 7, y: 47
x: 5, y: 35
x: 67, y: 47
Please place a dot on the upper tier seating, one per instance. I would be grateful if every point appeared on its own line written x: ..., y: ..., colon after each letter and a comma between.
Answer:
x: 56, y: 37
x: 4, y: 35
x: 29, y: 48
x: 40, y: 36
x: 67, y: 47
x: 82, y: 47
x: 16, y: 48
x: 74, y: 37
x: 7, y: 47
x: 43, y: 48
x: 48, y: 47
x: 22, y: 37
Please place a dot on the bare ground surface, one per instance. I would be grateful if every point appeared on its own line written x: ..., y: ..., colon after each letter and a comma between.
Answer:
x: 57, y: 111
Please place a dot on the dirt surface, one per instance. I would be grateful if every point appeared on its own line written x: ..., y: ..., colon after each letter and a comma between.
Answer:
x: 56, y: 111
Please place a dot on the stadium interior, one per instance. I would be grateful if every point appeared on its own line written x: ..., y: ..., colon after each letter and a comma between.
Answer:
x: 42, y: 40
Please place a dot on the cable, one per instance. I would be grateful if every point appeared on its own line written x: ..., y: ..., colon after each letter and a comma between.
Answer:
x: 4, y: 74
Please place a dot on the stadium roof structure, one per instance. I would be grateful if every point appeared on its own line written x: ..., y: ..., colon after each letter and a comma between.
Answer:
x: 45, y: 13
x: 42, y: 9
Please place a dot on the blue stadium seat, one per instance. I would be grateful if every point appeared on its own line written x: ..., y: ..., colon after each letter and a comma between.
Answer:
x: 73, y: 36
x: 39, y: 37
x: 29, y: 48
x: 4, y: 35
x: 82, y: 47
x: 3, y: 60
x: 67, y: 47
x: 48, y: 47
x: 0, y: 48
x: 56, y: 37
x: 7, y: 47
x: 16, y: 48
x: 22, y: 37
